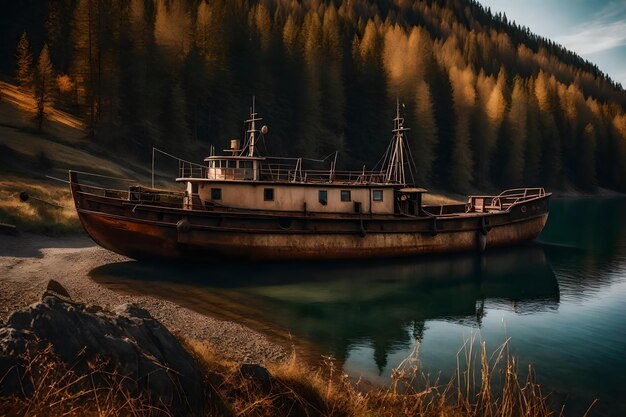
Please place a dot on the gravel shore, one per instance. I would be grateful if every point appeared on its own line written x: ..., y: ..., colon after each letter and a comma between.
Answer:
x: 28, y: 261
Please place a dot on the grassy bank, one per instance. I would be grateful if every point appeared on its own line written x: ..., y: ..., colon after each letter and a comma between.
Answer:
x: 487, y: 385
x: 28, y: 156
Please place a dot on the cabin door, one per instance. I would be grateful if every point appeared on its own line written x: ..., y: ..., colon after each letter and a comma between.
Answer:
x: 408, y: 203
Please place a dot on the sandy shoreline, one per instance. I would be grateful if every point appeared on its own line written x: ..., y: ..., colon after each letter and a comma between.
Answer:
x: 28, y: 261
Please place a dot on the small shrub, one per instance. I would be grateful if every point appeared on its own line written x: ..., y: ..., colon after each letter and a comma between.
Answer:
x: 65, y: 84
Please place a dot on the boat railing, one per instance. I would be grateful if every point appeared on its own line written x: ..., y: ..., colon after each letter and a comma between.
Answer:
x: 194, y: 171
x: 283, y: 171
x: 504, y: 200
x: 293, y: 172
x: 134, y: 193
x: 191, y: 170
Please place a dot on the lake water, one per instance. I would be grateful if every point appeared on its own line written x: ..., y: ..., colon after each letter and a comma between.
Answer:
x: 561, y: 301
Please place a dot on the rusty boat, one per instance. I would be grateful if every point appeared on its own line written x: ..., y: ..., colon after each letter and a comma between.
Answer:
x: 244, y: 206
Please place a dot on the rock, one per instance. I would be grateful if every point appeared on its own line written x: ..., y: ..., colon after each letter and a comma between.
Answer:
x: 131, y: 310
x: 130, y: 342
x: 55, y: 288
x: 258, y: 374
x: 19, y: 320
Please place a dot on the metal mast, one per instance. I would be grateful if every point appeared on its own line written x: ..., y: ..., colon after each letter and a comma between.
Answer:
x: 395, y: 168
x: 252, y: 130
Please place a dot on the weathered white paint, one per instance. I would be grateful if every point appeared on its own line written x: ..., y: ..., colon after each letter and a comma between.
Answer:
x: 291, y: 197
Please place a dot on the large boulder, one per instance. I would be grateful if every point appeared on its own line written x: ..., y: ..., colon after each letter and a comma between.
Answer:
x: 128, y: 340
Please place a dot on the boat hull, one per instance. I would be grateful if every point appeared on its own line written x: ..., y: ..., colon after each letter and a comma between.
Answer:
x: 149, y: 232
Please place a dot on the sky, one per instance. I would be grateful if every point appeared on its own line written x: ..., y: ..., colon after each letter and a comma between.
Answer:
x: 594, y: 29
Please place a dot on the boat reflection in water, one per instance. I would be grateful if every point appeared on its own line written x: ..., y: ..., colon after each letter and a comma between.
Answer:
x: 336, y: 306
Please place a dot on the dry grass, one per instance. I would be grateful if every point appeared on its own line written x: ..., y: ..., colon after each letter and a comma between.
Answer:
x: 52, y: 388
x: 26, y: 156
x: 28, y: 145
x: 34, y: 215
x: 293, y: 389
x: 18, y: 107
x: 484, y: 385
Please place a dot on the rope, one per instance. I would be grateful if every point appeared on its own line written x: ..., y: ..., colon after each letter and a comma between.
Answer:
x: 177, y: 158
x: 104, y: 176
x: 57, y: 179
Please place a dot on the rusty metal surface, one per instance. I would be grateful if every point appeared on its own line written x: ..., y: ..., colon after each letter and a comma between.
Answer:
x: 183, y: 240
x: 139, y: 240
x: 144, y: 231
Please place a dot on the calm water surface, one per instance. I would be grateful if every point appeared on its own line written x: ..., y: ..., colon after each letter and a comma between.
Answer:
x: 561, y: 301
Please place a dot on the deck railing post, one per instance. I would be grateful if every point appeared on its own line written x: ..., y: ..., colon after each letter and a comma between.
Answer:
x: 153, y: 167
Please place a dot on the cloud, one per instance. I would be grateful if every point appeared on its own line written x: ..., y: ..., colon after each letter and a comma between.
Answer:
x: 606, y: 31
x: 597, y: 38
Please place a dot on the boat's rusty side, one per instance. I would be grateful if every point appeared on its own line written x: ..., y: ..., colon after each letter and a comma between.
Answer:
x: 145, y: 231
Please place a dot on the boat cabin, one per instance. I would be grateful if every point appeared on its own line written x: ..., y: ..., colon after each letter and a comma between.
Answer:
x: 244, y: 180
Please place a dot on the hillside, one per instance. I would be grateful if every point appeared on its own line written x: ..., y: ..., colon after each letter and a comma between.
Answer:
x: 491, y: 104
x: 28, y: 156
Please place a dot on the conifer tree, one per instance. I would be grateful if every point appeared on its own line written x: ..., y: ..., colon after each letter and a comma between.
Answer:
x: 483, y: 129
x: 86, y: 62
x: 311, y: 123
x: 424, y: 136
x: 515, y: 139
x: 618, y: 152
x: 24, y: 75
x: 44, y: 86
x: 263, y: 24
x: 532, y: 155
x: 495, y: 108
x: 367, y: 119
x: 464, y: 96
x: 551, y: 161
x: 333, y: 100
x: 586, y: 174
x: 176, y: 130
x: 441, y: 88
x: 290, y: 35
x: 208, y: 32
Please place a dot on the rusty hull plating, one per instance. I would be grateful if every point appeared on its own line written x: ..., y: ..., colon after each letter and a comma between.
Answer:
x: 152, y: 231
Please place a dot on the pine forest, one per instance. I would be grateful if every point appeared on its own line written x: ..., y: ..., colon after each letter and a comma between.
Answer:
x: 489, y: 103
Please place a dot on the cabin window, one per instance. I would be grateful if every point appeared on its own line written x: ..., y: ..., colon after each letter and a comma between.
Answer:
x: 216, y: 193
x: 346, y: 195
x: 248, y: 172
x: 194, y: 188
x: 377, y: 195
x: 231, y: 164
x: 322, y: 196
x: 268, y: 194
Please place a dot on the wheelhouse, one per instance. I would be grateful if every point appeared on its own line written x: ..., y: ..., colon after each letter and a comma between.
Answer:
x: 240, y: 168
